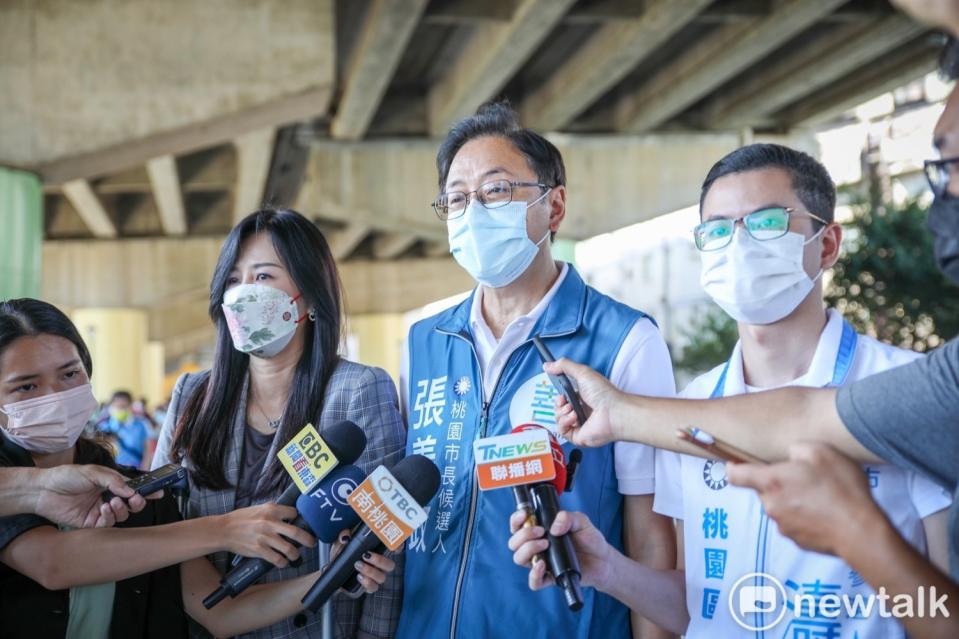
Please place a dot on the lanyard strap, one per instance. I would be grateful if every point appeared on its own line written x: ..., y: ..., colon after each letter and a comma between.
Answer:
x: 844, y: 358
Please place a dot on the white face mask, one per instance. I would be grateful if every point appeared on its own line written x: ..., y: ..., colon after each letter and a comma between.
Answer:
x: 262, y: 319
x: 758, y: 282
x: 492, y: 244
x: 51, y: 423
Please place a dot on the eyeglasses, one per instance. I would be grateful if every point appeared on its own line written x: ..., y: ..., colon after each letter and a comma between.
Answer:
x: 938, y: 172
x: 763, y: 225
x: 491, y: 195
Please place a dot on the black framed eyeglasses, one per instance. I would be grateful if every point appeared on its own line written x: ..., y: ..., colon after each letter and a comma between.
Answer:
x: 939, y: 172
x: 762, y: 225
x: 491, y: 195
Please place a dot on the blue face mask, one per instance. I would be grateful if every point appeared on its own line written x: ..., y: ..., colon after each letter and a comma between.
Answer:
x: 491, y: 244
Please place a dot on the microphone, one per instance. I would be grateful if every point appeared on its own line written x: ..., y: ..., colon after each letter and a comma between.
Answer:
x: 540, y: 501
x: 521, y: 492
x: 308, y: 458
x: 326, y: 511
x: 344, y: 441
x: 391, y: 507
x: 563, y: 562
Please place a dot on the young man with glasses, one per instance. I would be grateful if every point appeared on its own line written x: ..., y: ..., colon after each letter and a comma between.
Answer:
x: 473, y: 372
x: 767, y: 235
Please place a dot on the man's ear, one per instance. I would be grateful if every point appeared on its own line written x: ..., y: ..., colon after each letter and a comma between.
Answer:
x: 831, y: 245
x: 557, y: 207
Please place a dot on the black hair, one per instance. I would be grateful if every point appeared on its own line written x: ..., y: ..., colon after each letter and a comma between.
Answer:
x: 810, y: 179
x: 26, y: 317
x: 122, y: 394
x: 498, y: 119
x: 211, y: 410
x: 949, y: 59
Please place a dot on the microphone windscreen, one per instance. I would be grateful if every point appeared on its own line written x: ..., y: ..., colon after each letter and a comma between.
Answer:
x: 419, y: 476
x: 326, y: 509
x: 346, y: 440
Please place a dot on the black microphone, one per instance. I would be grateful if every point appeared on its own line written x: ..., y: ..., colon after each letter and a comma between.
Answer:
x: 540, y: 502
x: 347, y: 441
x: 563, y: 562
x: 421, y: 479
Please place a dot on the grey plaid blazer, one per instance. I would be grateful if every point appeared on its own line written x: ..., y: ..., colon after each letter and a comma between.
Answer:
x: 361, y: 394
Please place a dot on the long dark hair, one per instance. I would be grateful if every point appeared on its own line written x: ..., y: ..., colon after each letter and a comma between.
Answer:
x: 212, y: 408
x: 26, y: 317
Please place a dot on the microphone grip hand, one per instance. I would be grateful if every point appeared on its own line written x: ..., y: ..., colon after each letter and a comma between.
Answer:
x: 562, y: 560
x: 524, y: 504
x: 263, y: 531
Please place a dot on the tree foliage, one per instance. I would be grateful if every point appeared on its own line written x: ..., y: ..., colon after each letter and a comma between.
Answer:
x: 710, y: 339
x: 887, y: 283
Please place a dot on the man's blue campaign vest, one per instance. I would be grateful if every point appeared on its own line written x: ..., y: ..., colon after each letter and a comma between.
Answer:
x: 460, y: 578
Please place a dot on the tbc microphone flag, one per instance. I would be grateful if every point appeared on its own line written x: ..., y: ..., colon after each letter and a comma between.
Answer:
x: 387, y: 508
x: 390, y: 503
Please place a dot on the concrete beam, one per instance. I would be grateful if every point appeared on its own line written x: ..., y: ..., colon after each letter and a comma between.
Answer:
x: 609, y: 54
x: 166, y: 191
x: 91, y: 210
x: 613, y: 181
x: 605, y: 11
x: 344, y: 242
x: 192, y: 137
x: 181, y: 268
x: 489, y: 59
x: 436, y: 249
x: 383, y: 37
x: 885, y: 74
x: 717, y: 58
x: 470, y: 12
x: 159, y: 67
x: 384, y: 185
x: 384, y: 287
x: 388, y: 247
x: 851, y: 47
x: 254, y: 152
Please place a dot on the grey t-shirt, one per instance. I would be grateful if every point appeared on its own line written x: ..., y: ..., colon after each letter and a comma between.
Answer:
x: 909, y: 416
x: 256, y: 445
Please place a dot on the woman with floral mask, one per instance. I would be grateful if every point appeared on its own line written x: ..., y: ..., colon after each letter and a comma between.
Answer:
x: 275, y: 301
x: 124, y: 581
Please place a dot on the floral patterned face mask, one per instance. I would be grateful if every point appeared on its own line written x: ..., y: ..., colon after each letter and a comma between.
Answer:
x: 262, y: 319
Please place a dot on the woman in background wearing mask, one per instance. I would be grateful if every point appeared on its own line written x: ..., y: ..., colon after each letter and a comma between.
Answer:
x: 275, y: 300
x: 767, y: 234
x: 124, y: 581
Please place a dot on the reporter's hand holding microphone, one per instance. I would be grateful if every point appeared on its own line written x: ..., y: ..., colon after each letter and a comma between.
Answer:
x: 595, y: 554
x: 270, y: 535
x: 599, y: 398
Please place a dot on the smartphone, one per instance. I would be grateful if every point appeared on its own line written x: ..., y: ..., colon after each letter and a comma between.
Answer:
x: 562, y: 383
x: 717, y: 447
x: 153, y: 481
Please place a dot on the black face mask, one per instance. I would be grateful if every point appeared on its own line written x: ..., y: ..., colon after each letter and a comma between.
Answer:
x: 944, y: 224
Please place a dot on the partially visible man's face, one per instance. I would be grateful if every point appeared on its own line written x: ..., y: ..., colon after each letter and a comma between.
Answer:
x: 946, y: 138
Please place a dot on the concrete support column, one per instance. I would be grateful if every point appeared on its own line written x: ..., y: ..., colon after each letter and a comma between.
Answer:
x: 21, y: 234
x: 123, y: 358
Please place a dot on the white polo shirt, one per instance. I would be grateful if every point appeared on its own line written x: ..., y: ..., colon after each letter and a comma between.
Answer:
x: 642, y: 366
x: 728, y: 536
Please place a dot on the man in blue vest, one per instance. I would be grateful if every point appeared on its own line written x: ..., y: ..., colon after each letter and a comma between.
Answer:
x: 473, y: 372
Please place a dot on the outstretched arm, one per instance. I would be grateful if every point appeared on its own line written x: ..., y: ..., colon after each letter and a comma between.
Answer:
x: 68, y: 495
x: 765, y: 424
